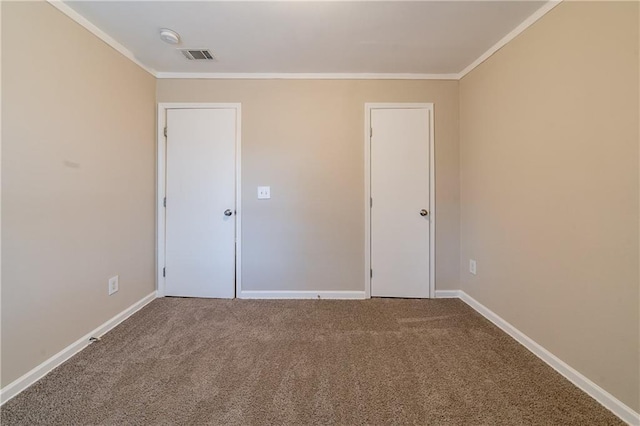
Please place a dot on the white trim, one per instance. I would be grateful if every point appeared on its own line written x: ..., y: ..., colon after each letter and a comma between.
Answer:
x: 596, y: 392
x: 84, y: 22
x: 249, y: 294
x: 535, y: 16
x: 367, y: 201
x: 432, y: 203
x: 307, y: 76
x: 367, y: 191
x: 238, y: 199
x: 447, y: 294
x: 161, y: 187
x: 161, y: 162
x: 0, y: 187
x: 28, y: 379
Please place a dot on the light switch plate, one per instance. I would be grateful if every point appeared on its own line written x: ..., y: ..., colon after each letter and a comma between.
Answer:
x: 472, y: 266
x: 113, y: 284
x: 264, y: 192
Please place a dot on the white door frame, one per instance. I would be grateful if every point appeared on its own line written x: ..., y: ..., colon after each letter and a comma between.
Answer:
x: 161, y: 188
x: 367, y: 191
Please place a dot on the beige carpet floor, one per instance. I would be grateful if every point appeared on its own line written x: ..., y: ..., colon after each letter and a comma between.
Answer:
x: 250, y: 362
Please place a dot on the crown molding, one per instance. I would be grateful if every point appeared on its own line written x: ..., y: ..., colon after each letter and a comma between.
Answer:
x: 306, y: 76
x: 532, y: 19
x: 67, y: 10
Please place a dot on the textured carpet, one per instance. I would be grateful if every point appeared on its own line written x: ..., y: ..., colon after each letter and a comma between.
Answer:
x: 379, y: 361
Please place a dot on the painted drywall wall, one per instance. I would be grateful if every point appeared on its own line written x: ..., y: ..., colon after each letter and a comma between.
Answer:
x: 549, y: 188
x: 306, y: 140
x: 78, y: 183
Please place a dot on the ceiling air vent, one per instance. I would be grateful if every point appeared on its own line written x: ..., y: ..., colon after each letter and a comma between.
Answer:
x: 198, y: 54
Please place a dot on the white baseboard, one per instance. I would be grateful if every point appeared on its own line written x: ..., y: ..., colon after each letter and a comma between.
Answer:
x: 596, y: 392
x: 23, y: 382
x: 603, y: 397
x: 447, y: 294
x: 247, y: 294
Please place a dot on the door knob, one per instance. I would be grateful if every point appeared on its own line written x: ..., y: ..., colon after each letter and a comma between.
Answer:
x: 423, y: 212
x: 228, y: 212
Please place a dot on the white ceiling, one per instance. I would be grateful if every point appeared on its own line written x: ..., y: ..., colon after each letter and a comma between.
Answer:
x: 421, y: 37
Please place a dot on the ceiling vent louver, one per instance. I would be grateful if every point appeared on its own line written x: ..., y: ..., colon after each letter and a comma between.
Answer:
x: 198, y: 54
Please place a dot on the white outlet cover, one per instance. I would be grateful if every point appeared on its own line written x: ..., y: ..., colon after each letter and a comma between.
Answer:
x: 264, y: 192
x: 113, y: 285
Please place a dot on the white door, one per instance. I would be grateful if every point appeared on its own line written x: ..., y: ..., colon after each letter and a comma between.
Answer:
x: 200, y: 205
x: 400, y: 202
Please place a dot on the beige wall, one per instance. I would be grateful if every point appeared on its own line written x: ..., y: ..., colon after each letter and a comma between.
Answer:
x: 78, y: 183
x: 549, y: 188
x: 543, y: 190
x: 305, y: 139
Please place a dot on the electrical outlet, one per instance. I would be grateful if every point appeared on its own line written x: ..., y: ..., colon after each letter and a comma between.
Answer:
x: 264, y: 192
x: 113, y: 285
x: 472, y: 266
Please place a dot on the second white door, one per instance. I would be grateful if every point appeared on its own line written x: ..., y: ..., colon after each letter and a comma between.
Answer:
x: 400, y: 230
x: 200, y: 204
